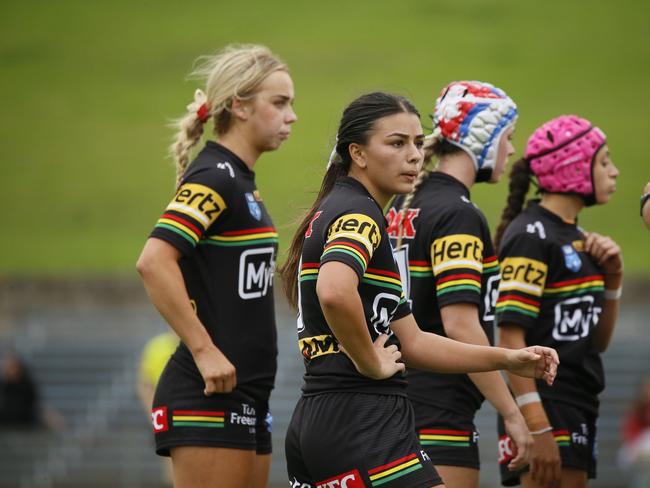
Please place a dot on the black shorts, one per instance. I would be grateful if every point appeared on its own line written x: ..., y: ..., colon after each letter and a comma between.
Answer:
x: 356, y: 440
x: 449, y: 438
x: 183, y: 416
x: 574, y: 430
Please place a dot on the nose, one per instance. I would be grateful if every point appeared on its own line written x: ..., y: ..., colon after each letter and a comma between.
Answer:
x: 415, y: 154
x: 291, y: 116
x: 614, y: 172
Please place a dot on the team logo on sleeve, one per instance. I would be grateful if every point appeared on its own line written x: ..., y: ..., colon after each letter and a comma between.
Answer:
x: 571, y: 258
x: 524, y: 275
x: 574, y: 318
x: 159, y: 419
x: 457, y: 251
x: 402, y: 261
x: 199, y: 202
x: 491, y: 297
x: 403, y: 220
x: 256, y: 268
x: 358, y: 227
x: 253, y: 207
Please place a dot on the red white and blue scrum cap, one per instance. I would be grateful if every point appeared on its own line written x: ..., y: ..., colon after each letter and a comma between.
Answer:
x: 473, y: 116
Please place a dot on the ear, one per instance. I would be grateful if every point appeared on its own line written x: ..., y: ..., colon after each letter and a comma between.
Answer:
x: 358, y: 155
x: 239, y: 109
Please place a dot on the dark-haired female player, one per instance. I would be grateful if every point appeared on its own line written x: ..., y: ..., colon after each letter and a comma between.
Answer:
x: 560, y: 286
x: 354, y: 424
x: 208, y: 268
x: 448, y: 261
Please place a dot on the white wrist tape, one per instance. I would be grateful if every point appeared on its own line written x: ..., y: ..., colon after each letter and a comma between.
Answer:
x: 614, y: 294
x: 526, y: 398
x: 542, y: 431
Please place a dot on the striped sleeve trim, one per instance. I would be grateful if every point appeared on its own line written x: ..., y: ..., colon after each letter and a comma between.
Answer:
x: 349, y: 249
x: 579, y: 286
x: 458, y: 282
x: 244, y: 237
x: 490, y: 265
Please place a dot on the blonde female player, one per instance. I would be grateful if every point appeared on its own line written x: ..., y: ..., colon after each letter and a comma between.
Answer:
x: 451, y: 270
x: 560, y: 287
x: 354, y: 425
x: 208, y: 268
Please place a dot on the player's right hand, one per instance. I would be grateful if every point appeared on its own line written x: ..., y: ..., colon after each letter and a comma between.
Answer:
x: 545, y: 462
x: 218, y: 373
x: 387, y: 360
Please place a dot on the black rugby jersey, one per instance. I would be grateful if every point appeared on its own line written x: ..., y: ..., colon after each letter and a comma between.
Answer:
x: 348, y: 227
x: 447, y: 257
x: 554, y: 289
x: 218, y: 222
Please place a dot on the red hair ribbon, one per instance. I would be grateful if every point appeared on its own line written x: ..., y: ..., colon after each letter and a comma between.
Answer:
x: 203, y: 113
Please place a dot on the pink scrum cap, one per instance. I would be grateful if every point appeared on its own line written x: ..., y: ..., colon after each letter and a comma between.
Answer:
x: 561, y: 154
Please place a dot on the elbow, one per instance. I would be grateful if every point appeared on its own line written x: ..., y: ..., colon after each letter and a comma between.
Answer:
x: 144, y: 266
x: 329, y: 295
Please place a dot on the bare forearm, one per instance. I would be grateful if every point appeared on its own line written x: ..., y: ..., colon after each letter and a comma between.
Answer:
x: 166, y: 289
x: 344, y: 315
x: 609, y: 315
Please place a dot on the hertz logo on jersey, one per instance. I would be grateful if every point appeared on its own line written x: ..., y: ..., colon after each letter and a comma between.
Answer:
x: 357, y: 227
x: 312, y: 347
x: 523, y: 274
x: 457, y: 251
x: 199, y: 202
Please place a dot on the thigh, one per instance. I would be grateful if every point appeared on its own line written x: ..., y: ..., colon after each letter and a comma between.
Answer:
x: 209, y: 467
x: 457, y: 477
x: 261, y: 471
x: 449, y: 438
x: 183, y: 416
x: 358, y: 440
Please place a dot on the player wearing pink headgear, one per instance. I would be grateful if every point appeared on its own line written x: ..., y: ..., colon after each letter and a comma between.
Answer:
x: 559, y: 287
x: 451, y: 273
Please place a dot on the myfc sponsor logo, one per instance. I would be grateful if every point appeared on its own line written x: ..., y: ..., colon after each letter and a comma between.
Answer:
x: 198, y: 201
x: 159, y: 419
x: 312, y: 347
x: 491, y: 297
x: 383, y: 307
x: 358, y: 227
x: 403, y: 220
x: 351, y: 479
x: 523, y: 274
x: 573, y: 318
x: 256, y: 268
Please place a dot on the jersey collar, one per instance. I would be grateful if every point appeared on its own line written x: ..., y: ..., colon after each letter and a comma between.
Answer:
x: 231, y: 156
x: 358, y: 186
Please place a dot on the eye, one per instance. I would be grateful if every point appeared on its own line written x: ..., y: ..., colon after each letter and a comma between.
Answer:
x: 419, y: 143
x: 398, y: 143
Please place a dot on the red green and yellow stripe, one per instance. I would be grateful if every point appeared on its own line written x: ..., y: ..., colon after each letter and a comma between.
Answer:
x: 562, y: 437
x: 198, y: 418
x: 578, y: 286
x: 458, y: 282
x: 445, y: 437
x: 309, y: 271
x: 490, y: 265
x: 395, y: 469
x: 357, y: 252
x: 380, y: 277
x: 246, y: 237
x: 517, y: 303
x: 420, y: 269
x: 186, y: 229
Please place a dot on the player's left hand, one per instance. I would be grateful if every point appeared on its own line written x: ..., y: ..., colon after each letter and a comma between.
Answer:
x: 521, y: 438
x: 534, y: 362
x: 605, y: 251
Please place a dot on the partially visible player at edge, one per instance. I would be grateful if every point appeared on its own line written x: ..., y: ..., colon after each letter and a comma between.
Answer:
x: 560, y: 287
x: 354, y: 423
x: 447, y: 258
x: 208, y: 268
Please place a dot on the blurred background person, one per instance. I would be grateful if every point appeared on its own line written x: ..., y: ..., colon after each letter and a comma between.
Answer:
x: 645, y: 206
x: 19, y: 400
x: 635, y: 452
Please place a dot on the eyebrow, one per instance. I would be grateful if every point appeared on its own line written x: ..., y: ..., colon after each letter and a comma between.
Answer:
x: 405, y: 136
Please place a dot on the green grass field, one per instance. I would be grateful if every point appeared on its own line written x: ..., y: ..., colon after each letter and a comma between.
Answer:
x: 88, y: 87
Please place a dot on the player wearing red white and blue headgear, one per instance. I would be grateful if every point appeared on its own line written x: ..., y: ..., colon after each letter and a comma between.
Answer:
x: 473, y: 115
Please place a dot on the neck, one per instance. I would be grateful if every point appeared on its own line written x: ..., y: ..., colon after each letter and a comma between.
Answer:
x: 460, y: 166
x: 565, y: 206
x: 379, y: 196
x: 235, y: 141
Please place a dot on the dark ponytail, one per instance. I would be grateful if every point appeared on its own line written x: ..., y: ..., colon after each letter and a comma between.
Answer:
x: 518, y: 186
x: 356, y: 125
